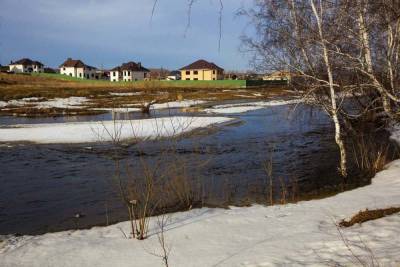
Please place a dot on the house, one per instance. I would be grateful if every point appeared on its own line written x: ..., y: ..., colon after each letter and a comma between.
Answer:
x: 277, y: 76
x: 174, y: 75
x: 202, y: 70
x: 130, y: 71
x: 26, y: 65
x: 76, y: 68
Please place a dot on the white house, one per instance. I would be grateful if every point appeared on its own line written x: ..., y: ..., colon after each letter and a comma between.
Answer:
x: 130, y: 71
x: 174, y: 75
x: 26, y: 65
x: 76, y: 68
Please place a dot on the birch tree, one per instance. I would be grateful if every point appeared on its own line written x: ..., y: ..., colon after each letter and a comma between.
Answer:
x: 340, y: 51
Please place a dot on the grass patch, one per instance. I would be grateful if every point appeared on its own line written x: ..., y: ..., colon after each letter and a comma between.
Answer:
x: 152, y: 83
x: 369, y: 215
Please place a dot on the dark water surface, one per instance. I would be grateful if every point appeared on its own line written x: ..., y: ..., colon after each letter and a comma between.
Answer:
x: 42, y: 187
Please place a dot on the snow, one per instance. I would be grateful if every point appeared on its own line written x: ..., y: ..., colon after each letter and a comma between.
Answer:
x: 248, y: 106
x: 166, y: 105
x: 178, y: 104
x: 95, y: 131
x: 118, y: 110
x: 125, y: 94
x: 70, y: 102
x: 293, y: 234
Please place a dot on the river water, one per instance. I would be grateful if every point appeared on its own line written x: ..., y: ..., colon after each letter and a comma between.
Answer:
x: 43, y: 187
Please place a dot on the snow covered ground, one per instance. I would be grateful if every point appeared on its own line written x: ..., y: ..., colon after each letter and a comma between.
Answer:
x: 96, y: 131
x: 248, y: 106
x: 166, y: 105
x: 81, y: 102
x: 70, y: 102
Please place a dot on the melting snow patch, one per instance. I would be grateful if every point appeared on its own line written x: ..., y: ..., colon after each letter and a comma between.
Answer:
x: 126, y: 94
x: 83, y: 132
x: 70, y: 102
x: 249, y: 106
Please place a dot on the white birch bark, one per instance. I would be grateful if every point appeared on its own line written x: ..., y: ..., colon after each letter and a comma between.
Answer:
x: 333, y: 109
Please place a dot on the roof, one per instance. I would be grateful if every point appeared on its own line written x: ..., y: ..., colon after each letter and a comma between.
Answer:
x: 174, y: 73
x: 202, y: 64
x: 26, y: 61
x: 131, y: 66
x: 75, y: 63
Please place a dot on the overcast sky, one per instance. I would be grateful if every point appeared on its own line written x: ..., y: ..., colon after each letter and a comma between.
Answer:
x: 107, y: 33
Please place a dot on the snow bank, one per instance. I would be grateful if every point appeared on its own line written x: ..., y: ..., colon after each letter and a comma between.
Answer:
x: 248, y: 106
x: 82, y: 132
x: 70, y: 102
x: 118, y: 110
x: 167, y: 105
x: 178, y: 104
x: 294, y: 234
x: 125, y: 94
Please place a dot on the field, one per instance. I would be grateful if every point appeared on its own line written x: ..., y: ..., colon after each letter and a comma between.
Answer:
x: 105, y: 94
x: 15, y: 86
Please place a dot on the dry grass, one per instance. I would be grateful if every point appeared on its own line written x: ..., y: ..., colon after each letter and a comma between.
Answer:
x: 369, y: 156
x: 369, y: 215
x: 14, y: 86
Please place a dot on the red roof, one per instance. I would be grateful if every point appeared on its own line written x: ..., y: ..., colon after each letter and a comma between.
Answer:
x: 202, y: 64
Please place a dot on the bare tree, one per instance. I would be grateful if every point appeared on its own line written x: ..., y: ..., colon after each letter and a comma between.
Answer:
x: 348, y: 69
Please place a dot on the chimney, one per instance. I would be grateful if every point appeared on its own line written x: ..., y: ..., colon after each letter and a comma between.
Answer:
x: 11, y: 62
x: 139, y: 64
x: 69, y: 58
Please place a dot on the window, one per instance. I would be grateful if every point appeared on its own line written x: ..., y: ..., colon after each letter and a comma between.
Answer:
x: 213, y: 71
x: 187, y: 79
x: 187, y: 72
x: 80, y: 75
x: 214, y: 79
x: 195, y: 72
x: 87, y: 76
x: 129, y: 73
x: 195, y: 79
x: 70, y: 74
x: 64, y: 68
x: 92, y: 75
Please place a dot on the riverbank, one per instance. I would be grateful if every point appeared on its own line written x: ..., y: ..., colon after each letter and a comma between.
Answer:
x: 296, y: 234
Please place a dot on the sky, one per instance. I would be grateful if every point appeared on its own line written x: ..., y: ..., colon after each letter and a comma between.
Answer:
x: 106, y: 33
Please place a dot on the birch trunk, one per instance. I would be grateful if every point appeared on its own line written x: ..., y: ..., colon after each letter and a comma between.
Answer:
x: 366, y: 51
x: 334, y: 110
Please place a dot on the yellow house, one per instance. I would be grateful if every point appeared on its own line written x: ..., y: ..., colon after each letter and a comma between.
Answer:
x: 202, y: 70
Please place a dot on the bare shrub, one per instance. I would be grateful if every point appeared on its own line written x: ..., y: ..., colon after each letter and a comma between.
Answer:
x: 141, y: 198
